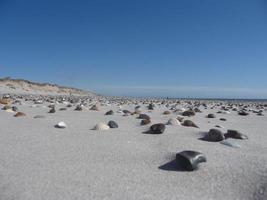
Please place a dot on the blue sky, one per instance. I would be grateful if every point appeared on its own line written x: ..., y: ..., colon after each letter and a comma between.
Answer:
x: 175, y: 48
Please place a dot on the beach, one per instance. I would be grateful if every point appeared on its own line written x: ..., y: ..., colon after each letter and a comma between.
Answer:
x: 39, y: 161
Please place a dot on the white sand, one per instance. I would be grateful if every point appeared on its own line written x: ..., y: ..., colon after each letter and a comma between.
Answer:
x: 39, y: 161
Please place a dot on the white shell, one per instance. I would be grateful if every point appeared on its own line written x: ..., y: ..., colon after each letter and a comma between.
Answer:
x: 9, y: 110
x: 173, y: 122
x: 61, y: 125
x: 101, y: 127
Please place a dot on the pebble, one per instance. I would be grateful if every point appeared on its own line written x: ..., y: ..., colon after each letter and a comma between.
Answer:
x: 78, y: 108
x: 151, y: 107
x: 111, y: 112
x: 143, y: 116
x: 235, y: 134
x: 215, y: 135
x: 189, y: 160
x: 167, y: 112
x: 211, y: 116
x: 145, y: 121
x: 15, y: 108
x: 243, y: 113
x: 52, y: 110
x: 189, y: 113
x: 19, y: 114
x: 157, y: 128
x: 189, y: 123
x: 127, y: 112
x: 197, y: 110
x: 113, y: 124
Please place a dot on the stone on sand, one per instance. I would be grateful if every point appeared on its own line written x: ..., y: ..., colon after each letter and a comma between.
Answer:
x: 189, y: 160
x: 111, y: 112
x: 19, y: 114
x: 235, y: 134
x: 197, y: 110
x: 113, y: 124
x: 189, y: 113
x: 101, y: 127
x: 127, y: 112
x: 167, y: 112
x: 215, y: 135
x: 189, y: 123
x: 145, y: 121
x: 78, y: 108
x: 151, y: 106
x: 211, y: 116
x: 243, y: 113
x: 15, y: 108
x: 157, y: 128
x: 52, y: 110
x: 143, y: 116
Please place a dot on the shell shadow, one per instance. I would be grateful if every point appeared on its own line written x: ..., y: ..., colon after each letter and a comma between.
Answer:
x: 172, y: 166
x: 147, y: 132
x: 57, y: 126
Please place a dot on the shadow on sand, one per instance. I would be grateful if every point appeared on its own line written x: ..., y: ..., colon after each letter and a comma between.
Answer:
x: 172, y: 166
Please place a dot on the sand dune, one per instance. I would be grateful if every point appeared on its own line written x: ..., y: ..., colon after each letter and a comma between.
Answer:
x: 21, y: 86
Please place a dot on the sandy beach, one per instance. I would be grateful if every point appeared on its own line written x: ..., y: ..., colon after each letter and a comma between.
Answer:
x: 39, y: 161
x: 133, y: 100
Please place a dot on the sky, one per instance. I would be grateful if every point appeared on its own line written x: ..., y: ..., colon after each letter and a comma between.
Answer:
x: 174, y: 48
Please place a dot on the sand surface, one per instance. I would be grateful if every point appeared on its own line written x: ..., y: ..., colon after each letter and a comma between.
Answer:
x: 39, y: 161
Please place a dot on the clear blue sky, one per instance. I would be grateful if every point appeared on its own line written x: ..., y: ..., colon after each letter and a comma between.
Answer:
x: 176, y: 48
